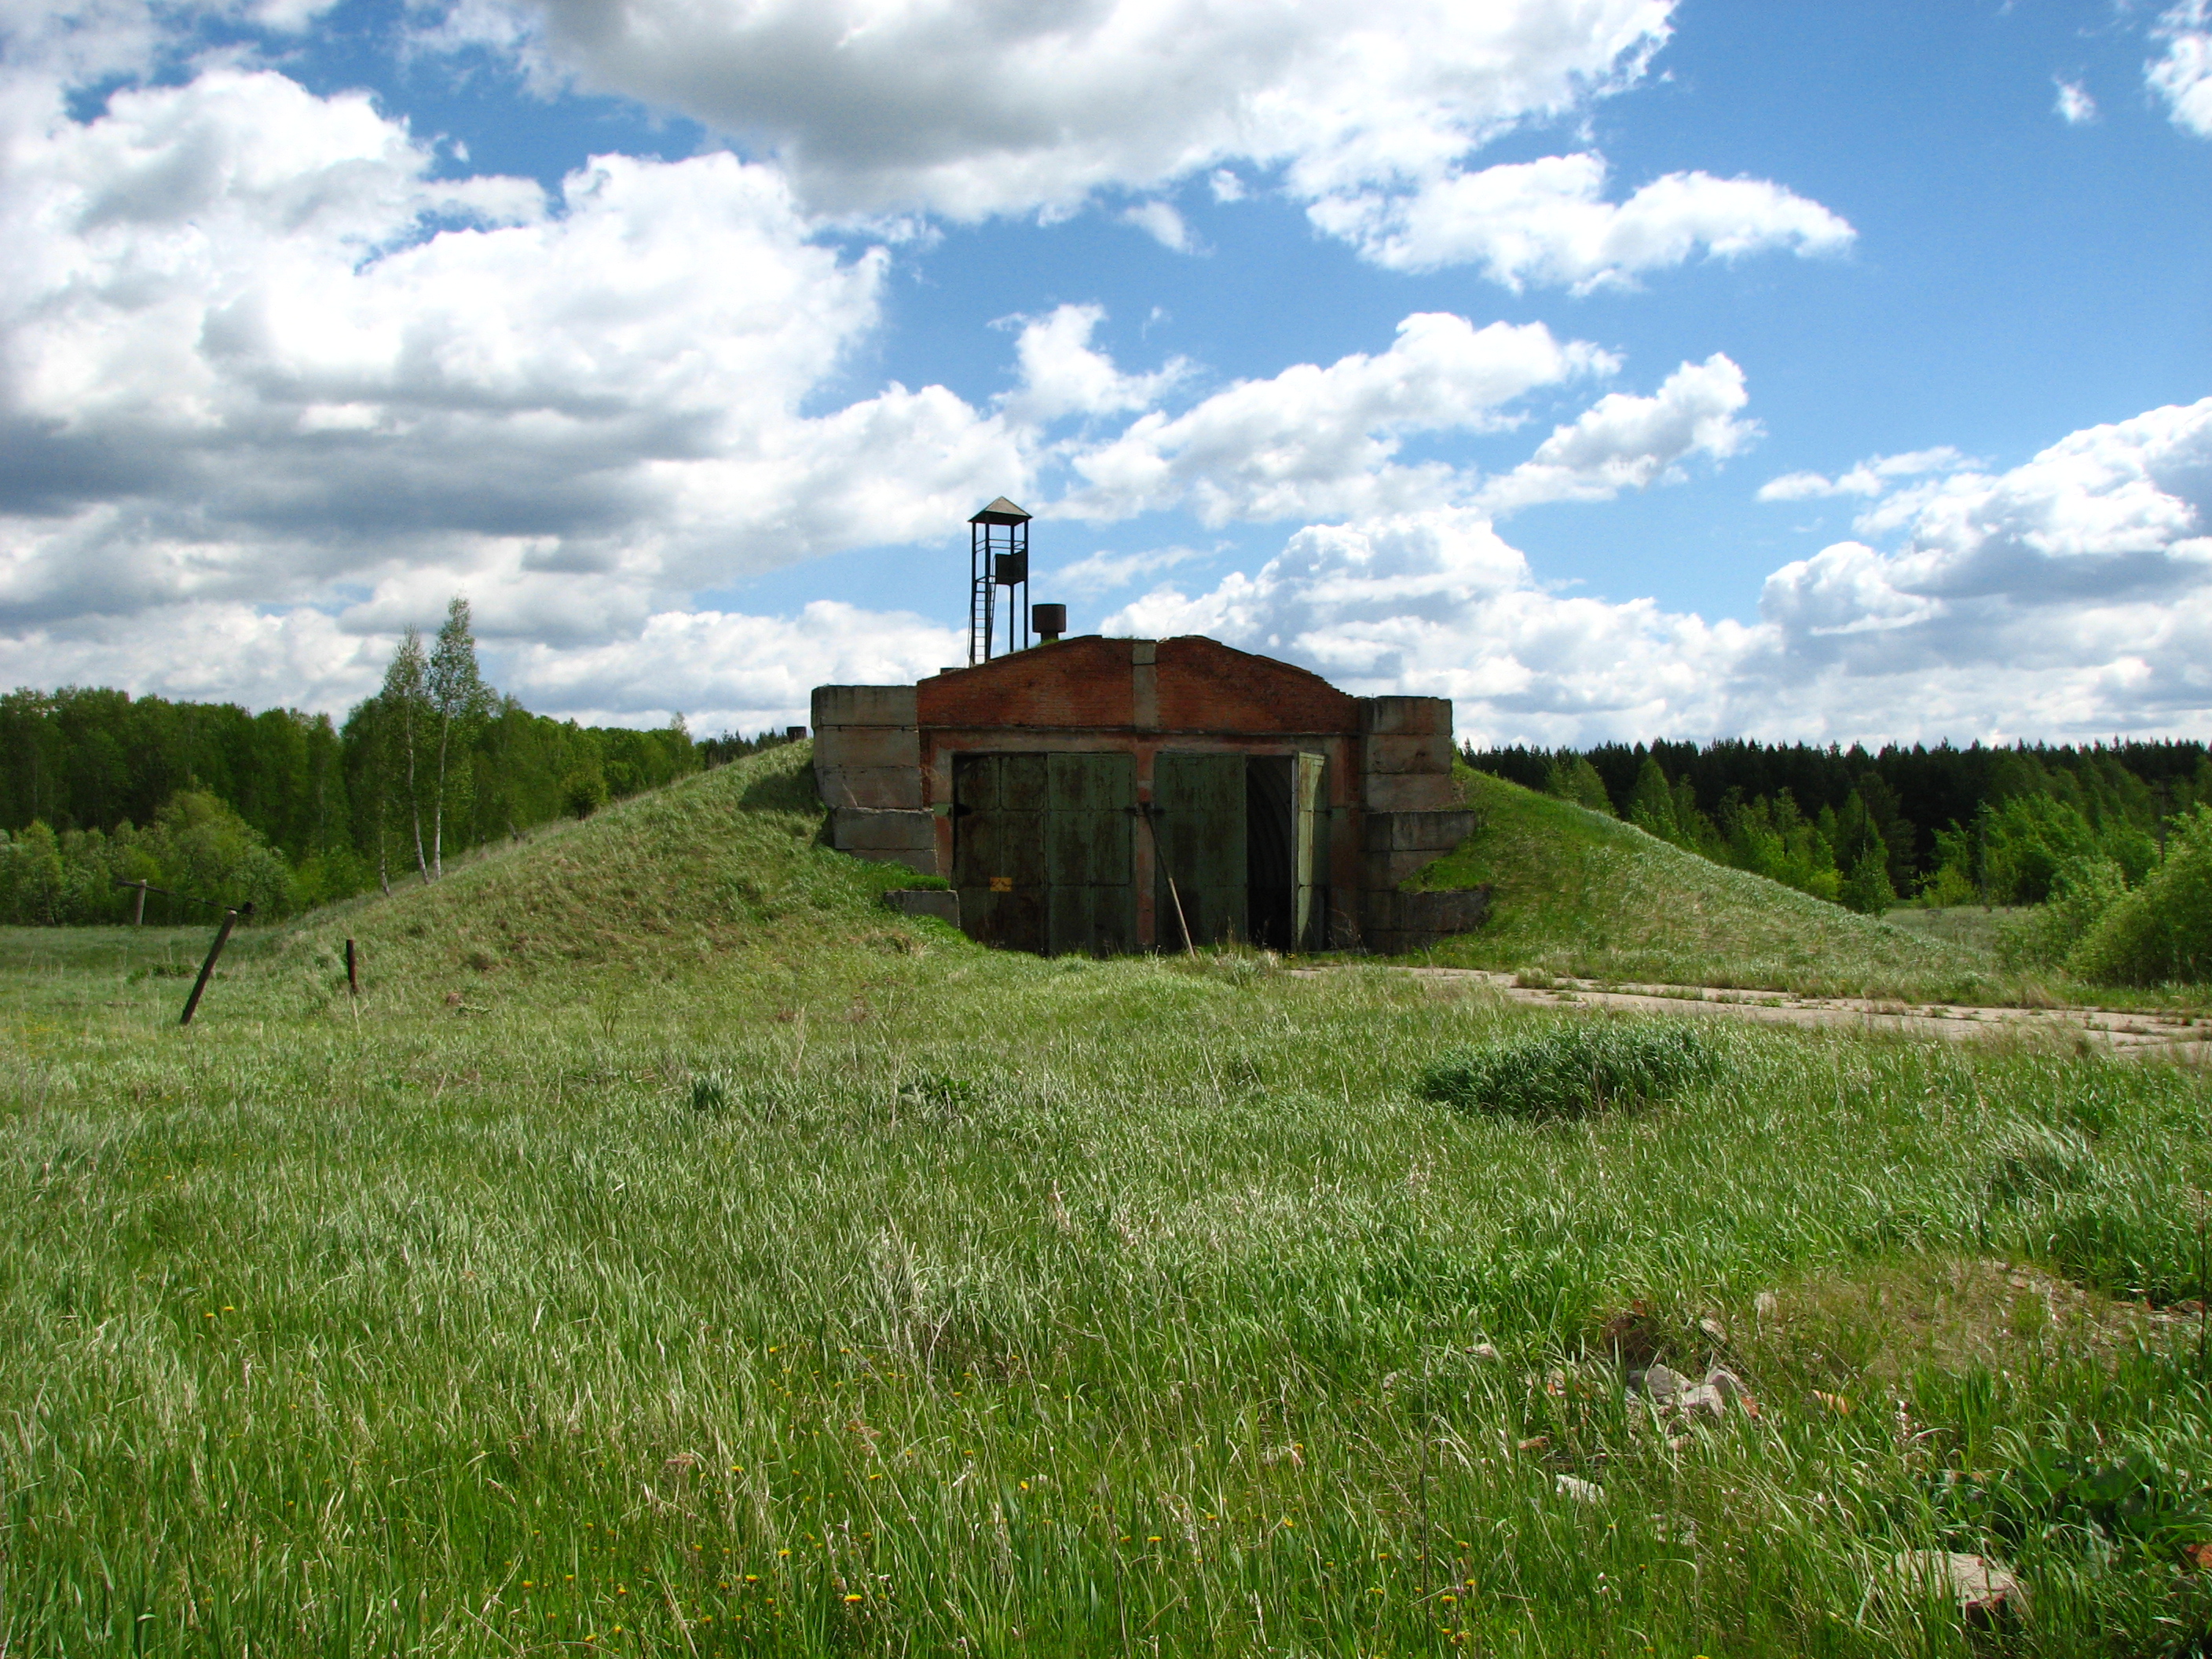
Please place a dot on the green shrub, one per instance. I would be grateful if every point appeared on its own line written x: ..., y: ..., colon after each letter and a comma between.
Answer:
x: 584, y: 790
x: 2162, y: 931
x: 2083, y: 889
x: 1574, y: 1070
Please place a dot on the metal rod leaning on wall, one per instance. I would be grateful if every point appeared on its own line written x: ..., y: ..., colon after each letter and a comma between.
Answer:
x: 207, y: 968
x: 1145, y: 810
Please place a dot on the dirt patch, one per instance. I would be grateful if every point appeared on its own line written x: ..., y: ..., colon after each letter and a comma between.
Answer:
x: 1847, y: 1337
x: 2180, y: 1036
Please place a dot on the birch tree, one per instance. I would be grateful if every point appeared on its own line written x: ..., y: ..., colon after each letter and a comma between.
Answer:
x: 406, y: 711
x: 458, y: 699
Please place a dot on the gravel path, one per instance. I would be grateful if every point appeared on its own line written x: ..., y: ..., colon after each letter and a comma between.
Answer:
x: 2182, y: 1037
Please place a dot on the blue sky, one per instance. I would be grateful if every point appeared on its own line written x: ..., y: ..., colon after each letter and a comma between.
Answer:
x: 1617, y: 367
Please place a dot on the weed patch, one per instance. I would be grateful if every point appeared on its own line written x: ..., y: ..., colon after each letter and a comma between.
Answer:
x: 2033, y: 1161
x: 1575, y: 1070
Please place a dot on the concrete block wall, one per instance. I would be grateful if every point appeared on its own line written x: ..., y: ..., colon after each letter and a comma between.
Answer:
x: 1413, y: 817
x: 868, y: 764
x: 1399, y: 922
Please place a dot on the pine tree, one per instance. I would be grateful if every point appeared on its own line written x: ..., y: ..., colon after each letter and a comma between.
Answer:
x: 458, y: 698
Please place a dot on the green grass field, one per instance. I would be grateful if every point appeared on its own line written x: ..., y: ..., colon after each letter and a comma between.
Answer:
x: 674, y: 1253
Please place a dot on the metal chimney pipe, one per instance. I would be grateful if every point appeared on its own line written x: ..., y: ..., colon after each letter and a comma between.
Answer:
x: 1050, y: 622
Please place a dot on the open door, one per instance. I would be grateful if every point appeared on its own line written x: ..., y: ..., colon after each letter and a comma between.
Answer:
x: 1199, y: 817
x: 1310, y: 816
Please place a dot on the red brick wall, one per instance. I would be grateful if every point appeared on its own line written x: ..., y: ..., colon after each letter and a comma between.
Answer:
x: 1087, y: 684
x: 1207, y: 686
x: 1082, y: 683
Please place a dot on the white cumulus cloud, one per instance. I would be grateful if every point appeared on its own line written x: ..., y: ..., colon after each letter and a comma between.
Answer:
x: 1624, y: 441
x: 1062, y: 374
x: 1869, y: 478
x: 967, y: 110
x: 2069, y: 597
x: 1159, y: 221
x: 1313, y: 440
x: 1366, y: 109
x: 726, y: 671
x: 2182, y: 75
x: 1548, y: 222
x: 2075, y: 105
x: 256, y: 350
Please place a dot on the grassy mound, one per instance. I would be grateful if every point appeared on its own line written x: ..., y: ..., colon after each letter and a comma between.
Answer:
x: 1575, y: 892
x: 728, y: 860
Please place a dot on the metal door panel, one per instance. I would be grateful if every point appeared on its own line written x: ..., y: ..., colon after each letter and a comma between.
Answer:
x: 1042, y: 850
x: 1200, y: 819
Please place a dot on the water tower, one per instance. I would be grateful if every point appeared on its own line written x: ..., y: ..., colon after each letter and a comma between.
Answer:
x: 999, y: 556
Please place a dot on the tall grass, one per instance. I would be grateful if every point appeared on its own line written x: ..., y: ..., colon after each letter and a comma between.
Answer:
x: 773, y: 1275
x: 1574, y: 1070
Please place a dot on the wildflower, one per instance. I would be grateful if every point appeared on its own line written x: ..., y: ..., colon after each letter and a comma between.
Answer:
x: 852, y: 1598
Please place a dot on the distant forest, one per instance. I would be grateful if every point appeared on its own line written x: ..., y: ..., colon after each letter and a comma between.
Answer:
x: 1941, y: 825
x: 99, y: 788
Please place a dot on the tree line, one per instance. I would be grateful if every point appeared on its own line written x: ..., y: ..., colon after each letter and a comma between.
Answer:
x: 287, y: 808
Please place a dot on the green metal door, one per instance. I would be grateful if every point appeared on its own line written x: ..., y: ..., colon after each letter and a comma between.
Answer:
x: 998, y: 849
x: 1199, y: 813
x: 1091, y: 901
x: 1040, y: 851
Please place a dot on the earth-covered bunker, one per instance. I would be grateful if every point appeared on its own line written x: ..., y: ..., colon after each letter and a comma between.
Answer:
x: 1105, y: 795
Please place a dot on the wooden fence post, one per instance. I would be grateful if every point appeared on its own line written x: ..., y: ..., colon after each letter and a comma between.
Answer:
x: 353, y: 971
x: 207, y: 968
